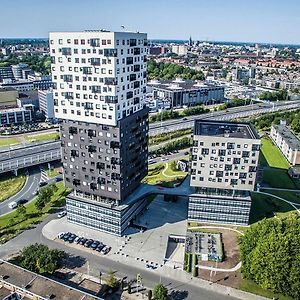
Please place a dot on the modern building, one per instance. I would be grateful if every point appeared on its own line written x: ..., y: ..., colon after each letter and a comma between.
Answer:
x: 20, y: 85
x: 46, y: 103
x: 6, y: 73
x: 223, y: 172
x: 287, y: 142
x: 27, y: 99
x: 182, y: 93
x: 20, y: 71
x: 99, y: 96
x: 243, y: 73
x: 8, y: 97
x: 180, y: 49
x: 15, y: 116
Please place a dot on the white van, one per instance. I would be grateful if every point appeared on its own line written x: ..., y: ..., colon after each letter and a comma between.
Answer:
x: 12, y: 205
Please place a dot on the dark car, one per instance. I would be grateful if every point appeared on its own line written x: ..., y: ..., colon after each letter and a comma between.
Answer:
x: 71, y: 238
x: 95, y: 245
x: 43, y: 183
x: 88, y: 243
x: 100, y: 247
x: 79, y: 240
x: 57, y: 179
x: 66, y: 236
x: 22, y: 201
x: 82, y: 241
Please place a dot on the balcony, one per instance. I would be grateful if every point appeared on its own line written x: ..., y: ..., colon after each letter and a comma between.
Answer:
x: 111, y: 99
x: 101, y: 180
x: 110, y: 52
x: 87, y: 70
x: 91, y: 133
x: 96, y: 89
x: 95, y: 42
x: 136, y: 100
x: 136, y: 84
x: 132, y: 42
x: 76, y: 182
x: 68, y: 95
x: 67, y: 78
x: 92, y: 148
x: 129, y: 60
x: 93, y: 186
x: 100, y: 166
x: 129, y: 95
x: 132, y: 77
x: 88, y: 105
x: 114, y: 144
x: 110, y: 81
x: 144, y: 74
x: 73, y: 130
x: 66, y: 51
x: 136, y: 68
x: 95, y: 61
x: 137, y: 51
x: 115, y: 161
x: 74, y: 153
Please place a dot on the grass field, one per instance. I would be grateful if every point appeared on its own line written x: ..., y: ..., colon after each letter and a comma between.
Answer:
x: 52, y: 173
x: 42, y: 137
x: 252, y: 287
x: 8, y: 141
x: 156, y: 176
x: 13, y: 224
x: 10, y: 185
x: 271, y: 156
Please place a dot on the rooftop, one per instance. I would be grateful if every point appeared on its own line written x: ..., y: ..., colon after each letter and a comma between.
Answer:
x: 180, y: 84
x: 39, y: 285
x: 225, y: 129
x: 288, y: 136
x: 7, y: 89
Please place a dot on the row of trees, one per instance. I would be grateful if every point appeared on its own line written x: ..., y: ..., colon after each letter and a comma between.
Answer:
x: 168, y: 71
x: 265, y: 122
x: 38, y: 63
x: 270, y: 255
x: 171, y: 114
x: 234, y: 103
x: 274, y: 96
x: 165, y: 136
x: 179, y: 144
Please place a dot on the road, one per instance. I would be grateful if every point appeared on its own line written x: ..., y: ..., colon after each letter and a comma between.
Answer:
x: 28, y: 191
x: 99, y: 263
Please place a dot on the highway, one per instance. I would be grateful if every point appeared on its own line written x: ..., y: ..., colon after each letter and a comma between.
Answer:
x: 24, y: 156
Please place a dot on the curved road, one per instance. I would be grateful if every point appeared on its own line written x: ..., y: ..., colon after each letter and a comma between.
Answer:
x: 26, y: 193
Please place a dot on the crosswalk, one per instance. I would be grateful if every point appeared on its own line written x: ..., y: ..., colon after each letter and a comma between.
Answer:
x: 44, y: 175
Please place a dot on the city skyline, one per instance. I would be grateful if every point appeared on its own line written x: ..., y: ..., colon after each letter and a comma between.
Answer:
x: 268, y: 22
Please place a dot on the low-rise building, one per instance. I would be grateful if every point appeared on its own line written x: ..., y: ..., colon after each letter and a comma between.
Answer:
x: 223, y: 172
x: 287, y: 142
x: 180, y: 49
x: 15, y: 116
x: 181, y: 93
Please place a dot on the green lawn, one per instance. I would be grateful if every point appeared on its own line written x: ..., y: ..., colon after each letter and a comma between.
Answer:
x: 42, y: 137
x: 279, y: 178
x: 156, y: 176
x: 290, y: 196
x: 13, y: 224
x: 271, y: 155
x: 252, y: 287
x: 264, y: 206
x: 10, y: 185
x: 8, y: 141
x: 52, y: 172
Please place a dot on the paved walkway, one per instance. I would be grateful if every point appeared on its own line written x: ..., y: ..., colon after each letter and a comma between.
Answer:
x: 233, y: 269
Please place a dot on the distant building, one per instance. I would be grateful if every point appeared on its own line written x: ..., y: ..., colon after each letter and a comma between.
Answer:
x: 29, y: 98
x: 182, y: 93
x: 20, y: 71
x: 243, y: 73
x: 223, y: 172
x: 46, y: 103
x: 6, y: 73
x: 20, y: 85
x: 8, y: 97
x: 287, y: 142
x: 15, y: 116
x: 180, y: 49
x: 157, y: 50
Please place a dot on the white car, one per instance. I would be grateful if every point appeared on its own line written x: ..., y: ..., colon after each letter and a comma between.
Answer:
x: 12, y: 204
x: 62, y: 214
x: 60, y: 235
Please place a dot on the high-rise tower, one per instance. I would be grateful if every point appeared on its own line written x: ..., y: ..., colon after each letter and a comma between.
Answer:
x: 99, y: 94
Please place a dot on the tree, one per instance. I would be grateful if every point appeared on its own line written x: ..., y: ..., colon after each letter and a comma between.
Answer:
x: 21, y: 210
x: 111, y: 280
x: 45, y: 195
x: 270, y: 255
x: 40, y: 259
x: 160, y: 292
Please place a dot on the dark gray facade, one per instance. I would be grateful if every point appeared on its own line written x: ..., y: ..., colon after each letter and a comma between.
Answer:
x: 104, y: 161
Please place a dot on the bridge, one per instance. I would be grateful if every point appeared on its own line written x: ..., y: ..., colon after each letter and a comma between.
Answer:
x: 18, y: 157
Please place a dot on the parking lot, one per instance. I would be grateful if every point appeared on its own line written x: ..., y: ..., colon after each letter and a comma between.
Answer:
x: 146, y: 249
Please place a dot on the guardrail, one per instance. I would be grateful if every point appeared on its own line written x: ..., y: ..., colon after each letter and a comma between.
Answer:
x: 34, y: 159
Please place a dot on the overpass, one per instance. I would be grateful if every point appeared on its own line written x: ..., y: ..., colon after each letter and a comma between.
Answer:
x: 20, y: 157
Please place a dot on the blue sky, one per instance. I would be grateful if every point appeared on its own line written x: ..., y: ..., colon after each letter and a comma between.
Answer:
x: 221, y: 20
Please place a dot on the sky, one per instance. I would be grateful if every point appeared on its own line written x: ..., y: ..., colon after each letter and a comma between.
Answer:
x: 270, y: 21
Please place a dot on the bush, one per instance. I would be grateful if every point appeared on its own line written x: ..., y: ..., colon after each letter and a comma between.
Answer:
x: 160, y: 292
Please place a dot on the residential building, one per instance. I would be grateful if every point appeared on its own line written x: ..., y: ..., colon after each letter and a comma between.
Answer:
x: 287, y: 142
x: 46, y: 103
x: 8, y: 97
x: 20, y: 71
x: 243, y: 73
x: 182, y: 93
x: 99, y: 95
x: 180, y: 49
x: 223, y: 171
x: 15, y: 116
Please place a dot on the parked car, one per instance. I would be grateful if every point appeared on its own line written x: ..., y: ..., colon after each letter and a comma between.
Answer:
x: 95, y: 244
x: 82, y: 241
x: 78, y: 239
x: 62, y: 214
x: 61, y: 234
x: 88, y: 243
x: 72, y: 237
x: 100, y: 247
x: 66, y: 236
x: 43, y: 183
x: 105, y: 250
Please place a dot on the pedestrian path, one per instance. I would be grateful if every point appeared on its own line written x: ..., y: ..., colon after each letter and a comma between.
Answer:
x: 44, y: 175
